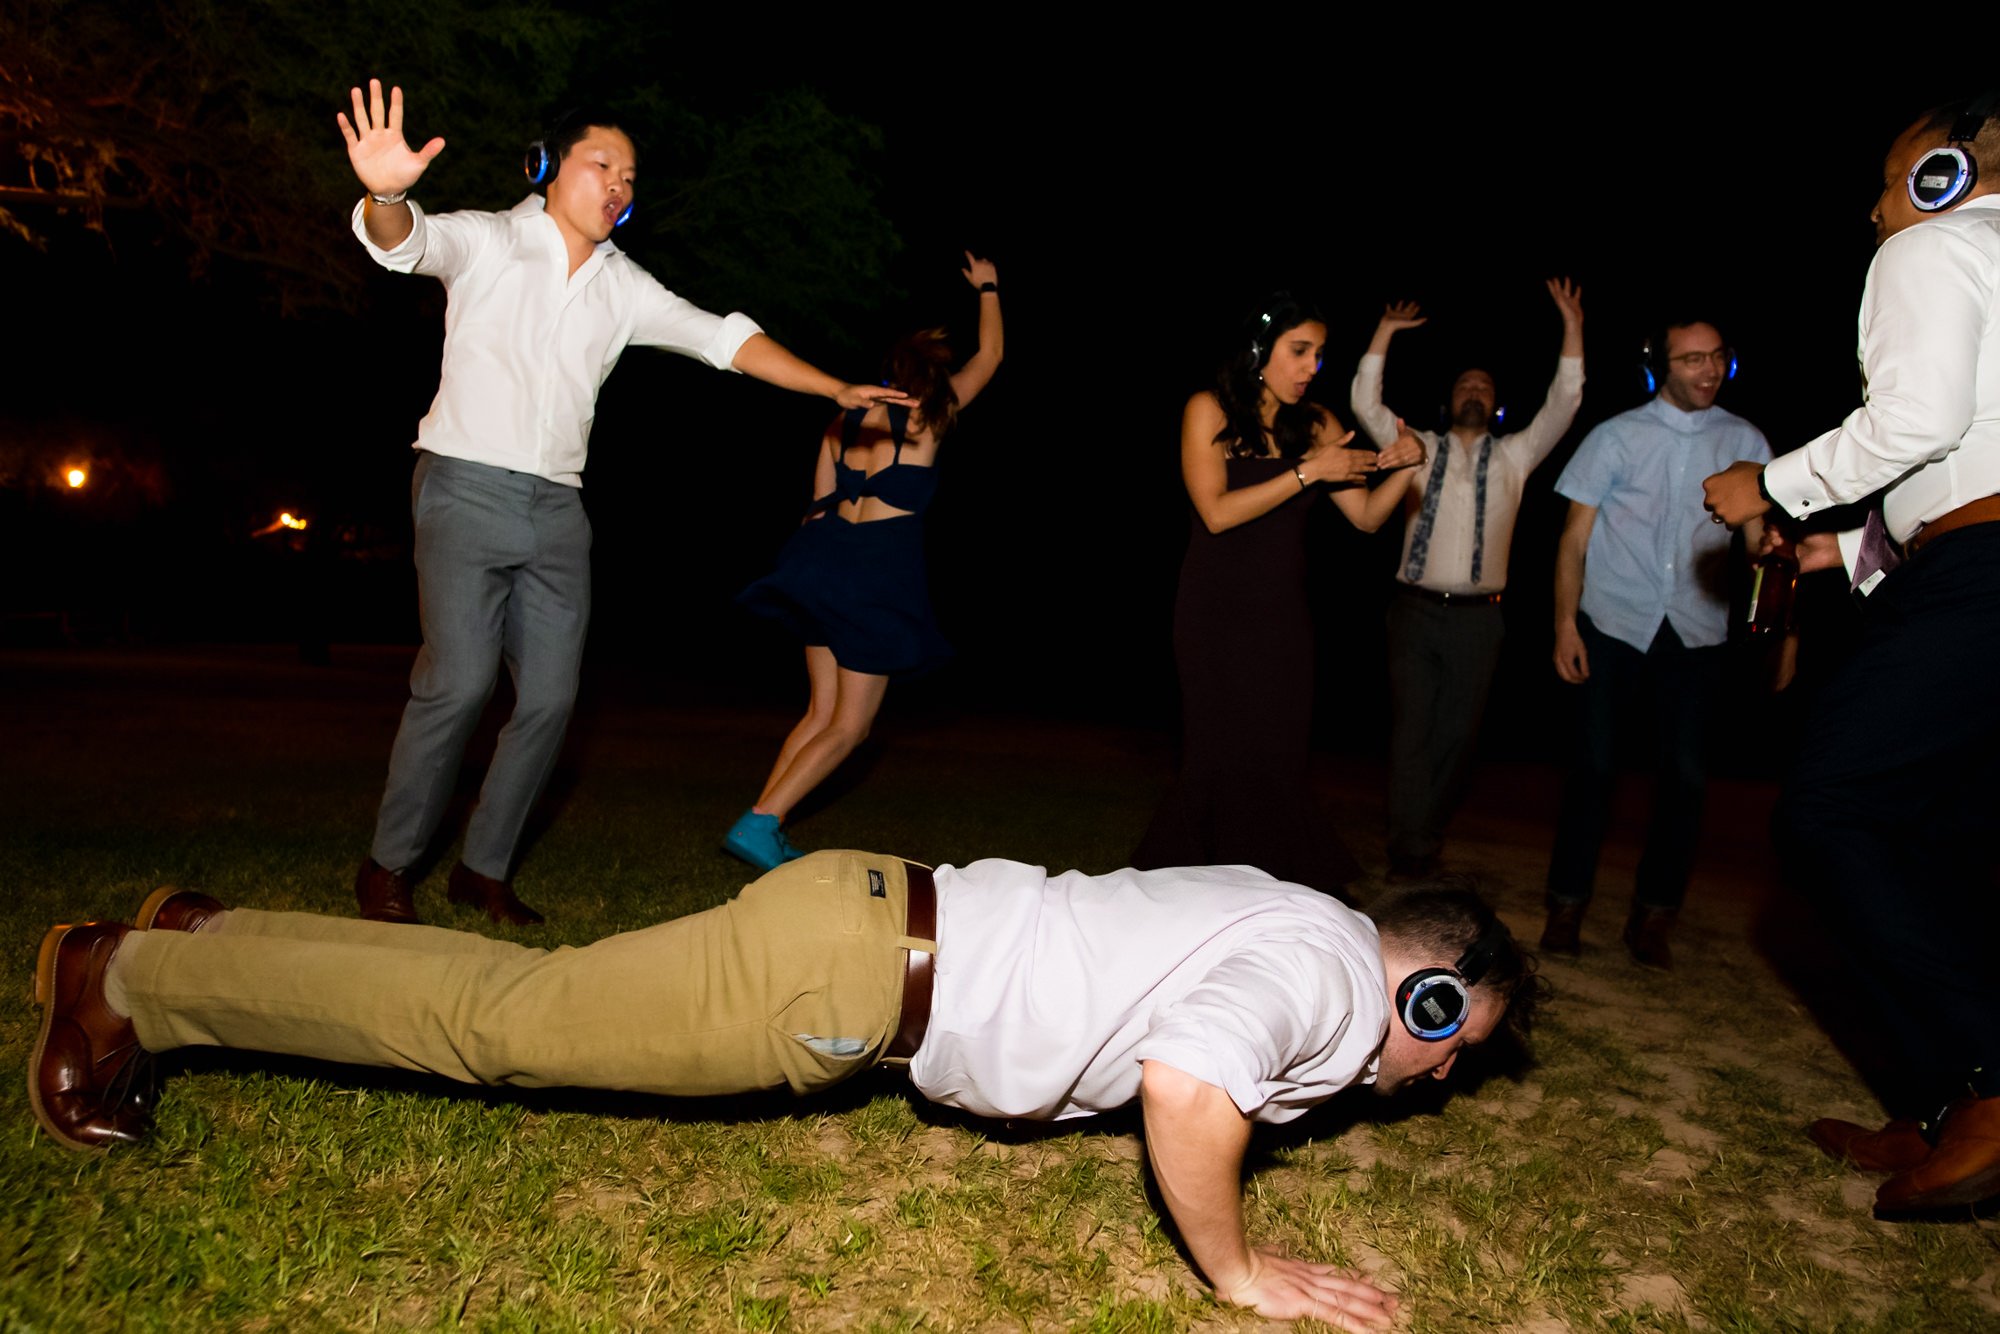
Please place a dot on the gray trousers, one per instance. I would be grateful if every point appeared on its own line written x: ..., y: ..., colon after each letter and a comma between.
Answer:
x: 503, y: 575
x: 1441, y: 664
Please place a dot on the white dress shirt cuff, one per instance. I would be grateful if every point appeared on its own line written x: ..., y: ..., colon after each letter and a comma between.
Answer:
x: 1789, y: 479
x: 403, y: 257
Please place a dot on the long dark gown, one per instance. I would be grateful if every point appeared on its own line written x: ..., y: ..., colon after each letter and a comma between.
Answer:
x: 1243, y: 641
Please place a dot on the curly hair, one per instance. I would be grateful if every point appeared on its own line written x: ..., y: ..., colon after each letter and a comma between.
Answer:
x: 1240, y: 391
x: 920, y: 365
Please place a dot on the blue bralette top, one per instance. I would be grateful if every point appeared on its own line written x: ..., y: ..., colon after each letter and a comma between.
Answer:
x: 907, y: 486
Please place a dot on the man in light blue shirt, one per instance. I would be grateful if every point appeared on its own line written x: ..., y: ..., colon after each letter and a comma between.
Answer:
x: 1651, y: 614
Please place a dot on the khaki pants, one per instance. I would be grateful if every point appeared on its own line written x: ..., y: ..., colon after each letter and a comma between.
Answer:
x: 797, y: 981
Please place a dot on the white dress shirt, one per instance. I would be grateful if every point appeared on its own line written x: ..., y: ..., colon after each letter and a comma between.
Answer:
x: 527, y: 344
x: 1448, y: 565
x: 1928, y: 435
x: 1052, y: 989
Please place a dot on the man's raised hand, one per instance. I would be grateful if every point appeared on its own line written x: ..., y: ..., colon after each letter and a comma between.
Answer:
x: 1569, y: 300
x: 1400, y: 315
x: 383, y: 163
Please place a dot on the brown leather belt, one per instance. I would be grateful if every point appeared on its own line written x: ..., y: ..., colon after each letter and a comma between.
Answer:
x: 920, y: 923
x: 1986, y: 509
x: 1449, y: 599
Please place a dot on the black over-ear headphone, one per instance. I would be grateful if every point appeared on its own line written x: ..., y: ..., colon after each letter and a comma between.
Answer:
x: 543, y: 159
x: 1257, y: 339
x: 1434, y: 1003
x: 1945, y: 176
x: 1653, y: 360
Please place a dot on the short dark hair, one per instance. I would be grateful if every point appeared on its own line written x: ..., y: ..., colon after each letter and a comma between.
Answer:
x: 1445, y: 918
x: 570, y: 127
x: 1985, y: 145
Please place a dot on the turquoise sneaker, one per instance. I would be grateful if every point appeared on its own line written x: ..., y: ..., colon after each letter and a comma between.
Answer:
x: 755, y: 838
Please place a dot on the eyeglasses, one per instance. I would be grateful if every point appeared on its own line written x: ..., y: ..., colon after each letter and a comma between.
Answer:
x: 1694, y: 361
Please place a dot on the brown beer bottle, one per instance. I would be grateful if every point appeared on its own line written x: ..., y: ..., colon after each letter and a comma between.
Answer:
x: 1772, y: 581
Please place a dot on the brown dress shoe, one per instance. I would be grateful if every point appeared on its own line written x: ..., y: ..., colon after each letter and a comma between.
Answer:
x: 493, y: 897
x: 1963, y: 1169
x: 170, y: 909
x: 384, y: 895
x: 1896, y: 1147
x: 1563, y: 934
x: 89, y: 1081
x: 1646, y: 933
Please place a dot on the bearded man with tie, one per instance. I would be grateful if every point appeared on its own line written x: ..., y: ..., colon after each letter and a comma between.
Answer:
x: 1445, y: 624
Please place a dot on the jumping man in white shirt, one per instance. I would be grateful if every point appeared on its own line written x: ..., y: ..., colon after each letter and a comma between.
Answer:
x: 540, y: 305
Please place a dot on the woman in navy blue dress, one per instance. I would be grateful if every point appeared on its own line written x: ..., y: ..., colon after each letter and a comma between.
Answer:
x: 850, y: 582
x: 1255, y: 452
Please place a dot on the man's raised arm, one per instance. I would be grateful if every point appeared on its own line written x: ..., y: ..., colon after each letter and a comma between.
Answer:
x: 1365, y: 395
x: 1196, y: 1137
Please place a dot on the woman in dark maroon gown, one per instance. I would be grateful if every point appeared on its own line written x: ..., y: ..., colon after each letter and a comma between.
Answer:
x: 1253, y: 455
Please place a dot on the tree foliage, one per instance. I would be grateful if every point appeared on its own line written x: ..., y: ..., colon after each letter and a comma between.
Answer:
x: 216, y: 120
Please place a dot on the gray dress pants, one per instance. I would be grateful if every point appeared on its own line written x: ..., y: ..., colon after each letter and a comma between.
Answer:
x: 503, y: 575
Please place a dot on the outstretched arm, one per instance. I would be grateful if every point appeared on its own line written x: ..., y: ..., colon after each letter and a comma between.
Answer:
x: 382, y: 161
x: 1364, y: 396
x: 762, y: 357
x: 1539, y: 437
x: 1196, y: 1137
x: 974, y: 374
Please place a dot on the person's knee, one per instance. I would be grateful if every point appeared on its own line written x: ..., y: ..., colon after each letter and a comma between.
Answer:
x: 459, y: 683
x: 545, y: 700
x: 849, y: 732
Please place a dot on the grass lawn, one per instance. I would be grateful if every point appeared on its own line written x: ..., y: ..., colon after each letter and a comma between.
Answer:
x: 1646, y: 1173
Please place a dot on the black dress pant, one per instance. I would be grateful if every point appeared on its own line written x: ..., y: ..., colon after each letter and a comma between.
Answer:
x: 1677, y: 682
x: 1888, y: 816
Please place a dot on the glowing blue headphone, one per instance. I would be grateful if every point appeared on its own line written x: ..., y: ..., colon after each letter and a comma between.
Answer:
x: 541, y: 163
x: 1434, y: 1003
x: 1653, y: 361
x: 1945, y: 176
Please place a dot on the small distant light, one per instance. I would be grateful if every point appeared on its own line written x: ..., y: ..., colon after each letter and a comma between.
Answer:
x: 76, y: 477
x: 289, y: 520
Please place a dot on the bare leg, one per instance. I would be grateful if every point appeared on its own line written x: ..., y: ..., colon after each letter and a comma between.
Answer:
x: 857, y: 698
x: 823, y: 674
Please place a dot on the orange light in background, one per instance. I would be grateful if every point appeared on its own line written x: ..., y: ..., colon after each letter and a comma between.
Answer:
x: 289, y: 520
x: 76, y: 477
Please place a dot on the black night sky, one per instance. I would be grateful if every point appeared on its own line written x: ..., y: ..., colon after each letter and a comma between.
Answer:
x: 1137, y: 204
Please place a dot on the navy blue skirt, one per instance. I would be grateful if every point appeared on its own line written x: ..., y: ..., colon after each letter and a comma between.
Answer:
x: 859, y: 589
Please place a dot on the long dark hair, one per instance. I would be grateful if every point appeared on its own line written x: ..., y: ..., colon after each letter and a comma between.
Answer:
x: 920, y: 366
x: 1241, y: 392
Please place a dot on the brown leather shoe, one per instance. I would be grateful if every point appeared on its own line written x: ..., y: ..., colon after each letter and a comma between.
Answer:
x: 384, y: 895
x: 1963, y: 1169
x: 170, y: 909
x: 1563, y: 933
x: 493, y: 897
x: 89, y: 1081
x: 1896, y: 1147
x: 1646, y: 933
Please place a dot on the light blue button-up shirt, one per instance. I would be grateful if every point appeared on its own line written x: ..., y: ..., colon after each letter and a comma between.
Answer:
x: 1654, y: 555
